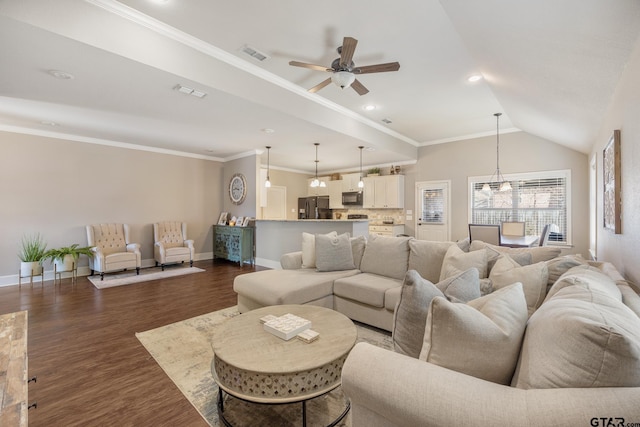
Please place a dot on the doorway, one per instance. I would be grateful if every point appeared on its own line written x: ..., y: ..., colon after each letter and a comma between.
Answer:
x: 276, y: 203
x: 433, y: 208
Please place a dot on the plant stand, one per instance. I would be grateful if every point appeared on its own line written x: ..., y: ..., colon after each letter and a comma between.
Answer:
x: 58, y: 273
x: 31, y: 276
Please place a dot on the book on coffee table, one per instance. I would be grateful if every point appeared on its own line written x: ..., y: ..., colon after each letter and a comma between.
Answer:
x: 287, y: 326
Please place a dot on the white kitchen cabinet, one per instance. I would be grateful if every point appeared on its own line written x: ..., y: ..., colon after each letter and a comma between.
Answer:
x: 350, y: 182
x: 384, y: 192
x: 389, y: 230
x: 335, y: 194
x: 318, y: 191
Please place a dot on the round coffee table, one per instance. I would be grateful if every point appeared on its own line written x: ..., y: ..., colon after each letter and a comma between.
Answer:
x: 254, y: 365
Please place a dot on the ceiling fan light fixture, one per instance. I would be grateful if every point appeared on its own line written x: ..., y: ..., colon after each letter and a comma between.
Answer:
x: 343, y: 79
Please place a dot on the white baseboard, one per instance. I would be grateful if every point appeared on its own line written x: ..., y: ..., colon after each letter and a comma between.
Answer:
x: 14, y: 279
x: 263, y: 262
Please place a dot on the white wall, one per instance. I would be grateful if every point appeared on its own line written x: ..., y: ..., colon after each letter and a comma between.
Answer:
x: 624, y: 113
x: 519, y: 152
x: 55, y: 187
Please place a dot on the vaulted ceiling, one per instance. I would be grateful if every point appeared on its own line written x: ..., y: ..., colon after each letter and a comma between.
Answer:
x: 549, y: 66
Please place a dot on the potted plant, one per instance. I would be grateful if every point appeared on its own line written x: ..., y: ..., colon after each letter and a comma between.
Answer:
x: 31, y: 255
x: 373, y: 172
x: 64, y: 258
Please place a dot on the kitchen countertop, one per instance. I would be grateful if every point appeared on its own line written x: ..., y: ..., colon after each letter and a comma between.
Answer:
x: 313, y: 220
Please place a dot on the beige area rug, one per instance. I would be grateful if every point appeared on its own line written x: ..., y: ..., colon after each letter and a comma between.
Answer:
x: 146, y: 274
x: 183, y: 351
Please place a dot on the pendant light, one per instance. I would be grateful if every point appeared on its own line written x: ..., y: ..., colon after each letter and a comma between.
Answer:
x: 503, y: 184
x: 361, y: 182
x: 267, y: 183
x: 316, y: 182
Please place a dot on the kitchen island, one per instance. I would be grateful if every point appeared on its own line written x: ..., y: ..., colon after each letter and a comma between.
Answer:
x: 275, y: 238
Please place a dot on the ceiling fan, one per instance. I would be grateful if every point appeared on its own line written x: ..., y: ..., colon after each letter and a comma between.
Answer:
x: 344, y: 70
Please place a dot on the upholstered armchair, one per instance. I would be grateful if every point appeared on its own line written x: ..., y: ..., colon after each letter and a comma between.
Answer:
x: 112, y: 250
x: 171, y: 244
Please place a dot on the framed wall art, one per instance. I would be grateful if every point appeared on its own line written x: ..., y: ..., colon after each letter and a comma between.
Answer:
x: 612, y: 180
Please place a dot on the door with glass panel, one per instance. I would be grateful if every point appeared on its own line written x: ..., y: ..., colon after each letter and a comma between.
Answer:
x: 433, y: 208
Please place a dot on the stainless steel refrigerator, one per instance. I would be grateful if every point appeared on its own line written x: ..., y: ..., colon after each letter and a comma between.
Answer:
x: 314, y: 207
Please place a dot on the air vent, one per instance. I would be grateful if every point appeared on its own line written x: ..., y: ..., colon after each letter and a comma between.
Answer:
x: 258, y: 56
x: 387, y: 121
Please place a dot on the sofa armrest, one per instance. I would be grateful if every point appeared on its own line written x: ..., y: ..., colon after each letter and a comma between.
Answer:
x: 407, y: 391
x: 291, y: 261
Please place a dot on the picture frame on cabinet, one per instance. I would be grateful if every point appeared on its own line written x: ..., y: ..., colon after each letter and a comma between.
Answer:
x: 247, y: 220
x: 223, y: 218
x: 239, y: 221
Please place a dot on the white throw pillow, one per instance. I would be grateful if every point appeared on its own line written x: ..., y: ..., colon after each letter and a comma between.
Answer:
x: 456, y: 261
x: 309, y: 249
x: 533, y: 278
x: 481, y: 338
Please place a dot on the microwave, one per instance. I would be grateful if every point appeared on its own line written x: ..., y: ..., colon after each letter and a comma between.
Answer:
x: 352, y: 198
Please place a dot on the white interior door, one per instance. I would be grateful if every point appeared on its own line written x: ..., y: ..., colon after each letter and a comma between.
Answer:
x: 433, y: 209
x: 276, y: 203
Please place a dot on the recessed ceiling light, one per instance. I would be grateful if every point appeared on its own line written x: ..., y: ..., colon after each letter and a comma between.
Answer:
x: 474, y: 78
x: 267, y: 130
x: 369, y: 107
x: 62, y: 75
x: 48, y: 123
x: 369, y: 149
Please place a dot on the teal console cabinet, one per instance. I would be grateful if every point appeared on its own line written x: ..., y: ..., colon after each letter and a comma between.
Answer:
x: 233, y: 243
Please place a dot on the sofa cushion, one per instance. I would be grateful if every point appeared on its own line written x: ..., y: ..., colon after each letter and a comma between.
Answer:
x: 481, y: 338
x: 538, y: 253
x: 426, y: 257
x: 455, y: 261
x: 386, y: 256
x: 277, y: 287
x: 411, y: 313
x: 309, y: 249
x: 366, y: 288
x: 533, y: 278
x: 522, y: 258
x: 334, y: 253
x: 582, y: 336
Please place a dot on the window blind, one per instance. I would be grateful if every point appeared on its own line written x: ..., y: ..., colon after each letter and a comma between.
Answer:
x: 537, y: 199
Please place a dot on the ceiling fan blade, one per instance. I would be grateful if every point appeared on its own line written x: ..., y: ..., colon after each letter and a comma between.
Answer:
x: 310, y: 66
x: 378, y: 68
x: 320, y: 85
x: 348, y: 48
x: 359, y: 87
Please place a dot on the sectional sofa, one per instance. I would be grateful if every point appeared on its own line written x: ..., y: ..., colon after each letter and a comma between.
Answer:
x: 483, y: 335
x: 359, y: 278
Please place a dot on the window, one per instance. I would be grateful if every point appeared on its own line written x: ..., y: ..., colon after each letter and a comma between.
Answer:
x: 537, y: 198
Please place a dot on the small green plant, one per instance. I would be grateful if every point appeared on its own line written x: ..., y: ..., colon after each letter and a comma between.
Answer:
x: 73, y: 250
x: 373, y: 171
x: 33, y: 248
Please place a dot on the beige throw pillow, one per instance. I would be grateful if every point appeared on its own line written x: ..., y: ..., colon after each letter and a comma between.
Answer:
x: 333, y: 253
x: 533, y: 278
x: 462, y: 287
x: 481, y: 338
x: 309, y: 249
x: 455, y: 261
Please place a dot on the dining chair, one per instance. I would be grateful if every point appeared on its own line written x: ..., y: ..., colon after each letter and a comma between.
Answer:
x: 488, y: 233
x: 513, y: 228
x: 544, y: 236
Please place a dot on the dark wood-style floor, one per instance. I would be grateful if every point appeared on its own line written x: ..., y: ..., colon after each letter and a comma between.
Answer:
x: 91, y: 369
